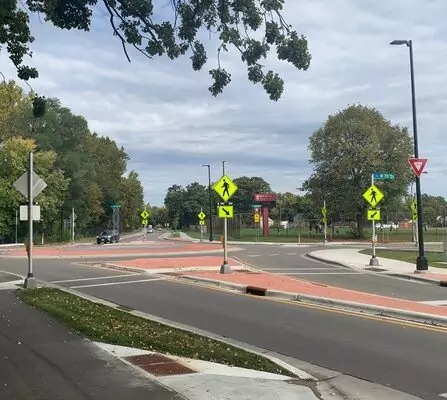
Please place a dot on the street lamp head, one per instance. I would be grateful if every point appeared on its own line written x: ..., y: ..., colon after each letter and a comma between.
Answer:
x: 400, y: 42
x: 205, y: 165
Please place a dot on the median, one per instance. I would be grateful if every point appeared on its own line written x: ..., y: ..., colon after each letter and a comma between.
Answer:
x: 105, y: 324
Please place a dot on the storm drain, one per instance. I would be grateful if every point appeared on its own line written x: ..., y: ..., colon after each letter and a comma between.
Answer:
x: 159, y: 365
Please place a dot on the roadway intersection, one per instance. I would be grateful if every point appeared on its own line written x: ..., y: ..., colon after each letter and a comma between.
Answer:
x: 399, y: 355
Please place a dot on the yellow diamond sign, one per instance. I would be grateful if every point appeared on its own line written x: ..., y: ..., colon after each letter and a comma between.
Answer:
x: 144, y: 214
x: 201, y: 215
x: 225, y: 188
x: 373, y: 195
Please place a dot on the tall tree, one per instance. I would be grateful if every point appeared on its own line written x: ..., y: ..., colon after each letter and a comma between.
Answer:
x: 247, y: 187
x: 346, y: 150
x: 135, y: 24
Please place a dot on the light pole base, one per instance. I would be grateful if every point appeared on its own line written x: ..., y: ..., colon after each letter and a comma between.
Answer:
x: 421, y: 264
x: 211, y: 239
x: 374, y: 262
x: 225, y: 268
x: 30, y: 283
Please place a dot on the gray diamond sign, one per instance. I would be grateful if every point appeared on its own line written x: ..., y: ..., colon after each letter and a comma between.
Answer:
x: 21, y: 185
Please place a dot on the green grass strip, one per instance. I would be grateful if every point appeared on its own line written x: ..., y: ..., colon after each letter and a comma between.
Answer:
x: 101, y: 323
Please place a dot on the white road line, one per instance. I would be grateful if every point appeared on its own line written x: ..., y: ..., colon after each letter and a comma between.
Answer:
x: 323, y: 273
x: 254, y: 255
x: 290, y: 254
x: 274, y: 254
x: 297, y: 269
x: 435, y: 302
x: 94, y: 278
x: 444, y: 395
x: 116, y: 283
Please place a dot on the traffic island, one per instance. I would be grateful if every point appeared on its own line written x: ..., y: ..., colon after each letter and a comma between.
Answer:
x: 105, y: 324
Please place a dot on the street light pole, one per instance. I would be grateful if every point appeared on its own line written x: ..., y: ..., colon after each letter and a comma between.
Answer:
x: 210, y: 200
x: 421, y: 260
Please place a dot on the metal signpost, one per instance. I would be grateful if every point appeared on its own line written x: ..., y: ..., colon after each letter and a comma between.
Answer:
x: 373, y: 196
x: 324, y: 213
x: 225, y: 188
x: 202, y: 217
x: 30, y: 185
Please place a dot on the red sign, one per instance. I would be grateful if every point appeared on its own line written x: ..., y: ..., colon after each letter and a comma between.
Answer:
x: 418, y: 165
x: 265, y: 197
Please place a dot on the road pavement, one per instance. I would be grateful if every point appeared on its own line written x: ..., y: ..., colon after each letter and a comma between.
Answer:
x: 41, y: 359
x: 382, y: 352
x: 291, y: 261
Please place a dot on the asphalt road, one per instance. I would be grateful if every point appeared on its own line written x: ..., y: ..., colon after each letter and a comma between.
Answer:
x: 41, y: 359
x: 291, y: 261
x: 400, y: 356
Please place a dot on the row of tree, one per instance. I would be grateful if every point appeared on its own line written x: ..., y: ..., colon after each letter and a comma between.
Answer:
x: 82, y: 169
x: 345, y: 151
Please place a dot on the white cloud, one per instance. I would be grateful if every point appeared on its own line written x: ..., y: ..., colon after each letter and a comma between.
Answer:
x: 164, y: 116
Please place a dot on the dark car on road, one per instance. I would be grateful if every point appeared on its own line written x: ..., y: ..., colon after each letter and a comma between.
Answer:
x: 108, y: 236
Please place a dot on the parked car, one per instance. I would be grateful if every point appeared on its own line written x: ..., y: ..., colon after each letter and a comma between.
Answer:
x: 108, y: 236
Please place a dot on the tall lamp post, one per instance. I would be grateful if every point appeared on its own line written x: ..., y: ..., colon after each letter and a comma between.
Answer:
x: 421, y: 260
x: 210, y: 200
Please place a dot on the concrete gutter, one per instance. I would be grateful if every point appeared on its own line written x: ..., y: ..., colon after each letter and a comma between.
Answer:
x: 422, y: 318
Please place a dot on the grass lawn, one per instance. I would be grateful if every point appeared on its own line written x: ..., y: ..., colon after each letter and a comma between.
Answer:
x: 105, y: 324
x: 434, y: 258
x: 302, y: 235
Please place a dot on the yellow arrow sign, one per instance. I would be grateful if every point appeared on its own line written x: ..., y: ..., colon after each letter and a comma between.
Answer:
x: 225, y: 188
x: 373, y: 195
x: 202, y: 222
x: 374, y: 214
x: 225, y: 211
x: 145, y: 221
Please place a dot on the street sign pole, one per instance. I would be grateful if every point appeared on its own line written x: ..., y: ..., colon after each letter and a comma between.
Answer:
x: 30, y: 281
x: 374, y: 261
x: 72, y: 224
x: 325, y: 222
x: 17, y: 225
x: 225, y: 267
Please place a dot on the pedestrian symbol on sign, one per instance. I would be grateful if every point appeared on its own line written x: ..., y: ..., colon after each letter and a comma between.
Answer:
x: 225, y: 187
x: 373, y: 195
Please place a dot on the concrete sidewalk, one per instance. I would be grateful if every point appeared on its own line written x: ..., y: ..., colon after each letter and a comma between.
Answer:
x: 351, y: 258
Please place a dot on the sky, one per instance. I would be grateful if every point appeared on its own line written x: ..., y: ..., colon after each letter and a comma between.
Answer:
x: 170, y: 124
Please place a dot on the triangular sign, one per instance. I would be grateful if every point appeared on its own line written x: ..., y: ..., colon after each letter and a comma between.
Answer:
x: 418, y: 165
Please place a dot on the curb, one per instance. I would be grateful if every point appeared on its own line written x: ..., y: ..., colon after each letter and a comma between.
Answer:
x: 422, y: 318
x: 442, y: 283
x: 330, y: 262
x: 243, y: 346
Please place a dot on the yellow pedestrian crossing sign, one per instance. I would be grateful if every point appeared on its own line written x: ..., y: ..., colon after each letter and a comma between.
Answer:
x: 201, y: 215
x: 225, y: 211
x: 225, y: 188
x: 373, y: 195
x: 144, y: 214
x: 374, y: 214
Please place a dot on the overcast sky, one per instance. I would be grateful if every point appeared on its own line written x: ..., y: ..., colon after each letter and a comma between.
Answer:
x: 165, y: 117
